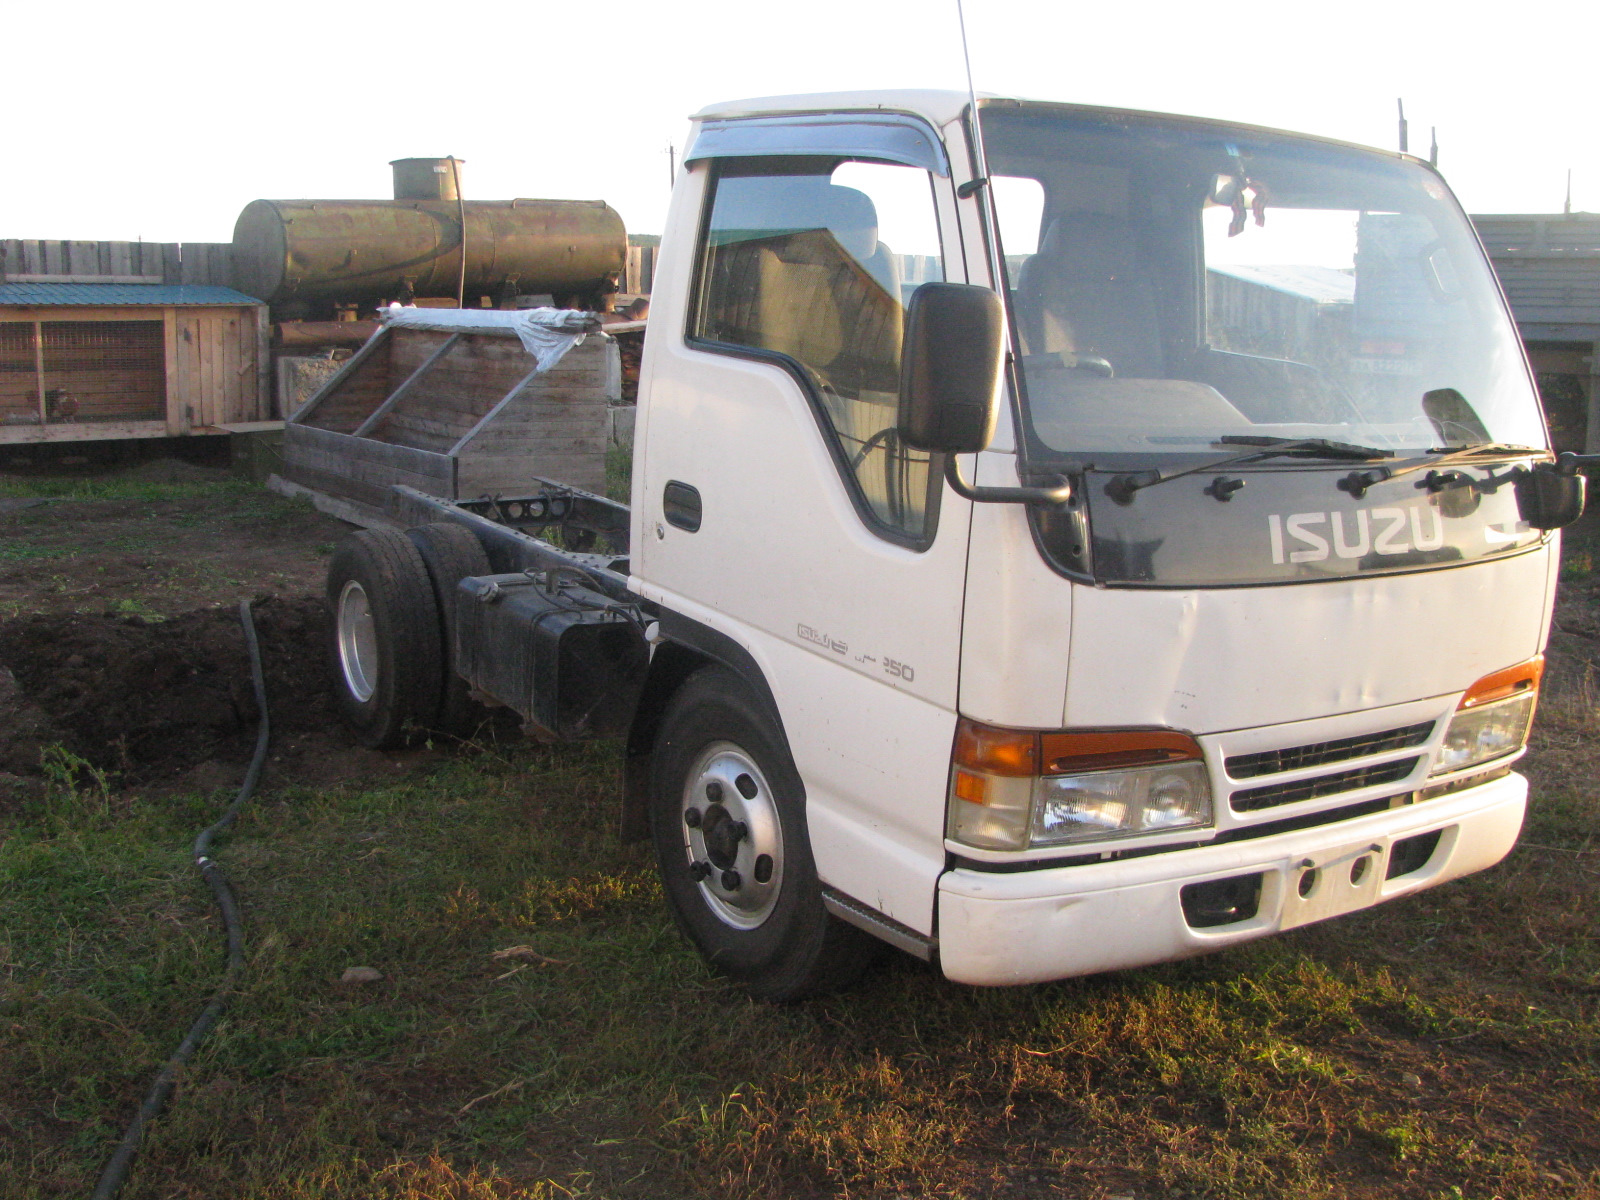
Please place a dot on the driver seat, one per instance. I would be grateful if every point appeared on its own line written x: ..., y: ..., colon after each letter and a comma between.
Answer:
x: 1089, y: 291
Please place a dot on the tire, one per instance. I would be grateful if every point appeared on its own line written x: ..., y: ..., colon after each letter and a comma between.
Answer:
x: 384, y: 647
x: 724, y: 797
x: 451, y: 553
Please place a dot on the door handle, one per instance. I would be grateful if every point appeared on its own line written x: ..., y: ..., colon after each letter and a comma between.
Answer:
x: 680, y: 504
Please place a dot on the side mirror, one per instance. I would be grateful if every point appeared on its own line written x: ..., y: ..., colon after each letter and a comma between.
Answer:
x: 950, y: 368
x: 1550, y: 496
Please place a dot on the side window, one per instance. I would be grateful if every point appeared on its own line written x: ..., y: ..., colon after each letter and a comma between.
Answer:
x: 815, y: 259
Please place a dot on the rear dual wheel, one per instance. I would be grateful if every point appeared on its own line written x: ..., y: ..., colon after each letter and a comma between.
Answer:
x: 451, y: 553
x: 385, y: 642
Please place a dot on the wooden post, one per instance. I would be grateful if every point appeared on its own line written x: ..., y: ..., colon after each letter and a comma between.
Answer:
x: 169, y: 325
x: 1591, y: 433
x: 38, y: 370
x: 263, y: 365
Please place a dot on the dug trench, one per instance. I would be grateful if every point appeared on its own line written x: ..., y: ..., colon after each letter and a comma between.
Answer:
x: 165, y: 705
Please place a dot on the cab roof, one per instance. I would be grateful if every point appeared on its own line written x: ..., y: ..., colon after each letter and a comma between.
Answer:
x: 941, y: 106
x: 937, y: 107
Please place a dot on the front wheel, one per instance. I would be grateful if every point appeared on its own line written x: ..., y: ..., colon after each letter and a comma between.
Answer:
x: 728, y: 822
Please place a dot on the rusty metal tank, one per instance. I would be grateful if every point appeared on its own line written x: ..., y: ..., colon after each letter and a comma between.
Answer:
x: 354, y: 251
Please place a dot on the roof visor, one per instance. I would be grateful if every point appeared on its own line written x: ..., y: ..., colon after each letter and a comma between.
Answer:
x: 881, y: 137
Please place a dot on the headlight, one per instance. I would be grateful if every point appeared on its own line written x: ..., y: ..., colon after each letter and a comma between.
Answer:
x: 1016, y: 789
x: 1079, y: 808
x: 1493, y: 718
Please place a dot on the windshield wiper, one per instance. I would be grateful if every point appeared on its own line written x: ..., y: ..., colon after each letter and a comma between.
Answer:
x: 1357, y: 482
x: 1306, y: 447
x: 1121, y: 488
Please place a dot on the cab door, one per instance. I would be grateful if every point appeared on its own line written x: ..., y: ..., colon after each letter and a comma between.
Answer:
x: 773, y: 502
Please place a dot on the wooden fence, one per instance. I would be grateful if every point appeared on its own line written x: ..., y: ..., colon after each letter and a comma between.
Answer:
x: 27, y: 260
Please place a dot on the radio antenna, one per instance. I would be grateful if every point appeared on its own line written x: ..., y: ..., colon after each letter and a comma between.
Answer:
x: 972, y: 95
x: 980, y: 159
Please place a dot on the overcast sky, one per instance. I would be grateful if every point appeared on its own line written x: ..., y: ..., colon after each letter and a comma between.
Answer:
x: 162, y: 119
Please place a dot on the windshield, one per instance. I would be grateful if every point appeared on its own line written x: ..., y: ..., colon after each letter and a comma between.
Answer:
x: 1172, y: 283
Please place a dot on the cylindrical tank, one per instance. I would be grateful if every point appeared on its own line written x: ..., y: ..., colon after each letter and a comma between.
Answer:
x: 353, y: 251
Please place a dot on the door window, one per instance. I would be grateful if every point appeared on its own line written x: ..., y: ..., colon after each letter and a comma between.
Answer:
x: 813, y: 260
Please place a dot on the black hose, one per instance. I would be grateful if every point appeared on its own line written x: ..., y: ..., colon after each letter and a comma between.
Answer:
x: 116, y: 1171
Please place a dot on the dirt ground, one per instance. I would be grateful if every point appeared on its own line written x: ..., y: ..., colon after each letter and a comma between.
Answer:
x: 120, y: 638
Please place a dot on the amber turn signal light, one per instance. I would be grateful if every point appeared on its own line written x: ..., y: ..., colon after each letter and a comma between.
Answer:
x: 1497, y: 685
x: 1020, y: 753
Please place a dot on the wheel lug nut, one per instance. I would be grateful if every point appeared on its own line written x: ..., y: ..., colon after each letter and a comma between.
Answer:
x: 691, y: 818
x: 699, y: 871
x: 739, y: 830
x: 714, y: 791
x: 730, y: 881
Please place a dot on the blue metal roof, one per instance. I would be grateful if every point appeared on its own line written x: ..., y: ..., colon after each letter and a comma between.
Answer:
x: 157, y: 294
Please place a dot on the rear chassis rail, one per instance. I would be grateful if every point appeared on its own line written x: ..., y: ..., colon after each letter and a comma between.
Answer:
x: 553, y: 632
x: 503, y: 524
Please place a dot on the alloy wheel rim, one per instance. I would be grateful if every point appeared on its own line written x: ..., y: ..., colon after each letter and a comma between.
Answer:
x: 732, y: 836
x: 358, y: 642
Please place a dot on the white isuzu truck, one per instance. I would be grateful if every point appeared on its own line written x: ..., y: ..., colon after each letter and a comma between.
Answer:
x: 1112, y: 541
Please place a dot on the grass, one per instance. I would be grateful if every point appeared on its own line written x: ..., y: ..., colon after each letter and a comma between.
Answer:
x: 619, y: 473
x: 113, y: 487
x: 17, y: 552
x: 1448, y: 1042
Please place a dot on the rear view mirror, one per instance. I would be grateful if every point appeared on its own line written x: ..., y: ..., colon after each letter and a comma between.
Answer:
x: 950, y: 368
x: 1549, y: 497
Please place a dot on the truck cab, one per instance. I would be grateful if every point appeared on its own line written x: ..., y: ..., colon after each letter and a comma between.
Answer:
x: 1270, y: 660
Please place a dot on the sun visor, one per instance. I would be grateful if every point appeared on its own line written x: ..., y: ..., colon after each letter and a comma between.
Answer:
x: 886, y: 137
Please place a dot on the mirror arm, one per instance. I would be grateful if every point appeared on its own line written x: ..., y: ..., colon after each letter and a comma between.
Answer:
x: 1568, y: 463
x: 1060, y: 494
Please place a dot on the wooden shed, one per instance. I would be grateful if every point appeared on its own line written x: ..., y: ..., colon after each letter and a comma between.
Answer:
x: 459, y: 410
x: 90, y: 361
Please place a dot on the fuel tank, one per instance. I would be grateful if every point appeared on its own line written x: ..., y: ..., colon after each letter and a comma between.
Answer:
x: 356, y: 251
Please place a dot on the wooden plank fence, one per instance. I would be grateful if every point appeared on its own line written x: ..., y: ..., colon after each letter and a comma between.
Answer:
x: 31, y: 260
x: 1549, y: 265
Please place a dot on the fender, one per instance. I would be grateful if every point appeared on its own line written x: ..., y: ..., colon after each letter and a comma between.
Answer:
x: 686, y: 646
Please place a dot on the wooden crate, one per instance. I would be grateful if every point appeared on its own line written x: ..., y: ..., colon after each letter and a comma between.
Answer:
x: 456, y: 415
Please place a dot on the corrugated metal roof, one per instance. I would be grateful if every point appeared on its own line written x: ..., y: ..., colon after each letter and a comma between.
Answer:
x: 158, y: 294
x: 1324, y: 285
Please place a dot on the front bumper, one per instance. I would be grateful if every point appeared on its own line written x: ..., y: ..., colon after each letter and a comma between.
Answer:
x: 1032, y: 926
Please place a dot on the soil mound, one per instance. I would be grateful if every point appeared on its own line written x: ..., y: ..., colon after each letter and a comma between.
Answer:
x: 150, y: 701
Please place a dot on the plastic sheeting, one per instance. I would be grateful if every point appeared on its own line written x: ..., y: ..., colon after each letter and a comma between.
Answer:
x: 546, y: 333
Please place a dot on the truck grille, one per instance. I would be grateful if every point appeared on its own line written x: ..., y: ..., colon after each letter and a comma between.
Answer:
x: 1295, y: 758
x: 1271, y: 796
